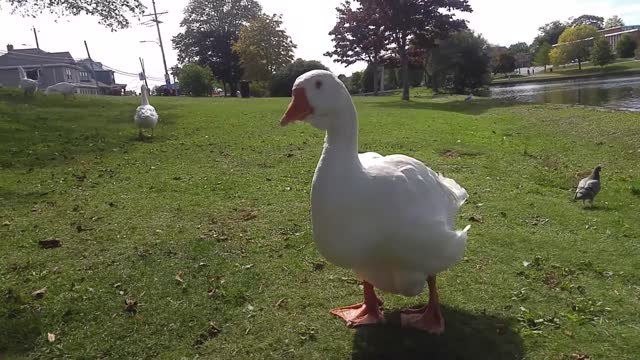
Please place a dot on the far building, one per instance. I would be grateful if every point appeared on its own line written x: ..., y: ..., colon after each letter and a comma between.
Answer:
x: 50, y: 68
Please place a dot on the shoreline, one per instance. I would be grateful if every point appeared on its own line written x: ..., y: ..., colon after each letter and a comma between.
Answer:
x: 501, y: 83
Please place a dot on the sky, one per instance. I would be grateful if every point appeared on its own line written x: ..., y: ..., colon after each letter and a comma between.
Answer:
x: 308, y: 22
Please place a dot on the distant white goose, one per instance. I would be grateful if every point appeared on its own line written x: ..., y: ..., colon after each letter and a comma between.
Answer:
x: 29, y: 86
x: 64, y: 88
x: 146, y: 116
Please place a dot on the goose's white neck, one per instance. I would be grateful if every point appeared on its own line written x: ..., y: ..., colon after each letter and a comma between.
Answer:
x: 145, y: 98
x: 341, y: 140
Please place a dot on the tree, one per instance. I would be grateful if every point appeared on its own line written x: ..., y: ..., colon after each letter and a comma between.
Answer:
x: 505, y: 63
x: 425, y: 20
x: 602, y: 54
x: 113, y: 16
x: 211, y: 27
x: 549, y: 33
x: 283, y: 80
x: 358, y: 36
x: 588, y: 20
x: 542, y: 57
x: 459, y: 63
x: 614, y: 21
x: 195, y: 80
x: 175, y: 71
x: 575, y: 44
x: 626, y: 46
x: 355, y: 82
x: 264, y: 47
x: 519, y: 48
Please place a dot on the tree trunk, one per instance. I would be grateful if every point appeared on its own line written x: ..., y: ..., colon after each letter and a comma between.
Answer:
x: 234, y: 89
x: 224, y: 87
x: 404, y: 60
x: 579, y: 65
x: 375, y: 79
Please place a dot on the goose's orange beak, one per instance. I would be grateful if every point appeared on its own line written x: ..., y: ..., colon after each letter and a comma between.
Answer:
x: 299, y: 108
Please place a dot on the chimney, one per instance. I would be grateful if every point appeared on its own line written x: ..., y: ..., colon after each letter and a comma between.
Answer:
x: 9, y: 47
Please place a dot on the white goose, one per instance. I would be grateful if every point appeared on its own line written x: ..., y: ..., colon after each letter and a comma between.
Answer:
x: 65, y: 88
x: 146, y: 116
x: 389, y: 219
x: 29, y: 86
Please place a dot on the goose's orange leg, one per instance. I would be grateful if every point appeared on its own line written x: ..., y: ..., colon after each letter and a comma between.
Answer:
x: 428, y: 318
x: 367, y: 313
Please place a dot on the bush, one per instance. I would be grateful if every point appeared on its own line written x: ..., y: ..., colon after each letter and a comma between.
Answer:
x: 283, y: 80
x: 601, y: 54
x: 196, y: 80
x: 638, y: 53
x: 626, y: 46
x: 259, y: 89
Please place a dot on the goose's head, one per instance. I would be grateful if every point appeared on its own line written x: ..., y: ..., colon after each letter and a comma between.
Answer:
x: 319, y: 98
x: 143, y: 89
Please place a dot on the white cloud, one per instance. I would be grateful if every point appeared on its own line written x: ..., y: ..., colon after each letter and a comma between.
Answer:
x: 307, y: 21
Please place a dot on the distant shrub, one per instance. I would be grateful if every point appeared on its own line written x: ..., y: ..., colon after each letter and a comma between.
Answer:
x: 196, y: 80
x: 259, y: 89
x: 284, y: 79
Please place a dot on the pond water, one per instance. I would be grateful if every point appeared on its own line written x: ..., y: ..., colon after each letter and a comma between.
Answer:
x: 616, y: 93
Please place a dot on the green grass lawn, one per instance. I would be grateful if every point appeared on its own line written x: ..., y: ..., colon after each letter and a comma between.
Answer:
x: 205, y: 232
x: 620, y: 67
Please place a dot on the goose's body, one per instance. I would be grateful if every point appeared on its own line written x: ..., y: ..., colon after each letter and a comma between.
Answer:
x: 390, y: 219
x: 65, y: 88
x: 146, y: 116
x: 589, y: 187
x: 28, y: 85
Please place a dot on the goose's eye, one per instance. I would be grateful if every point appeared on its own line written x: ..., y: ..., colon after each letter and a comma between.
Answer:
x: 318, y: 84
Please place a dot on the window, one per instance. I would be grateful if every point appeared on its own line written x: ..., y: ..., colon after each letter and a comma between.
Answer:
x: 68, y: 74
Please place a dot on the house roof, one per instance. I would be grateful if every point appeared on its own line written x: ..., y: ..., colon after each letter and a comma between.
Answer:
x: 97, y: 65
x: 26, y: 57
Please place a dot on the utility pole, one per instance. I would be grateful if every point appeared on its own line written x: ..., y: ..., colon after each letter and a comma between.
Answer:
x: 35, y: 33
x: 144, y: 73
x: 155, y: 14
x: 93, y: 71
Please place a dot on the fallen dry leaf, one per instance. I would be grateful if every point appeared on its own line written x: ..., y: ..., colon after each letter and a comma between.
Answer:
x: 281, y: 302
x: 247, y: 267
x: 476, y: 218
x: 51, y: 337
x: 212, y: 292
x: 6, y: 223
x: 39, y: 294
x: 50, y: 243
x: 180, y: 277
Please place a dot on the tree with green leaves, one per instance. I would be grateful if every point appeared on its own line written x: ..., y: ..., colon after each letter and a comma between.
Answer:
x: 601, y: 54
x: 264, y: 47
x: 423, y: 20
x: 355, y: 82
x: 542, y: 57
x: 588, y: 20
x: 549, y: 33
x: 626, y: 47
x: 575, y: 44
x: 505, y: 63
x: 613, y: 22
x: 112, y: 14
x: 283, y: 80
x: 358, y: 36
x: 460, y: 63
x: 211, y: 27
x: 195, y: 80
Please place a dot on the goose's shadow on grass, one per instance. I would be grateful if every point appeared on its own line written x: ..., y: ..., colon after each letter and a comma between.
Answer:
x: 20, y: 326
x: 467, y: 336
